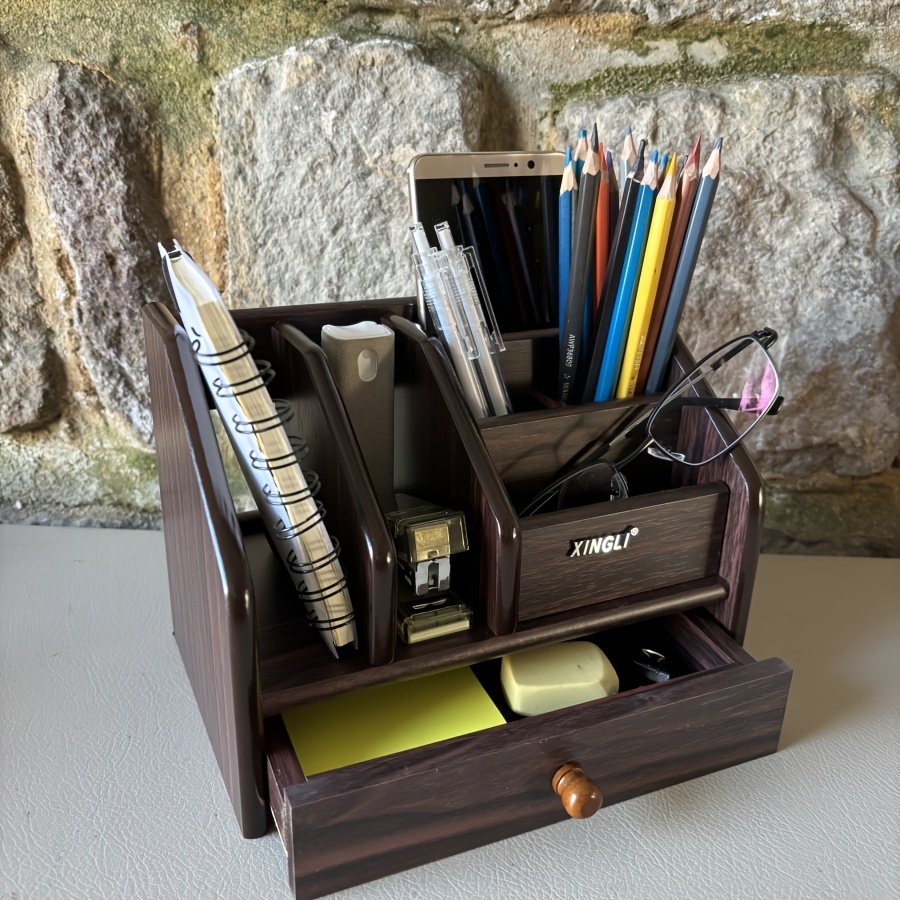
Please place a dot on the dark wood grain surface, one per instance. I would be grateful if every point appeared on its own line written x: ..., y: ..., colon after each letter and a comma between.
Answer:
x: 209, y: 578
x: 352, y: 510
x: 674, y: 537
x: 376, y: 818
x: 249, y: 652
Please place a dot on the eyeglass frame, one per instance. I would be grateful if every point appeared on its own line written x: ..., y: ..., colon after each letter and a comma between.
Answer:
x: 764, y: 337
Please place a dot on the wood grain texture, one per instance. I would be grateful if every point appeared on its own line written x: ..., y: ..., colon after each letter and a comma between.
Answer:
x: 209, y: 580
x: 376, y: 818
x: 530, y: 448
x: 447, y: 463
x: 346, y: 491
x: 249, y: 652
x: 743, y: 530
x: 302, y: 673
x: 212, y: 595
x: 529, y: 364
x: 678, y: 540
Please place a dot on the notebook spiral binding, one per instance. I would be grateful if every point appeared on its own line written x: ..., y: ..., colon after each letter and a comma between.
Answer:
x: 284, y: 414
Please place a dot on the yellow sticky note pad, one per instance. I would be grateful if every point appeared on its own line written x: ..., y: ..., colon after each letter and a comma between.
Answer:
x: 388, y: 718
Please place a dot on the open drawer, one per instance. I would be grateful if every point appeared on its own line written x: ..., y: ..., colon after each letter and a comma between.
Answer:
x: 352, y: 825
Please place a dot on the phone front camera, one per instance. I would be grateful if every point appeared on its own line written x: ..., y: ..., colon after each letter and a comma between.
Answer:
x: 530, y: 163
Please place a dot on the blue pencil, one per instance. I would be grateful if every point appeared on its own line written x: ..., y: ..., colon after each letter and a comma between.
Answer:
x: 567, y: 189
x: 684, y: 271
x: 579, y: 155
x: 631, y: 269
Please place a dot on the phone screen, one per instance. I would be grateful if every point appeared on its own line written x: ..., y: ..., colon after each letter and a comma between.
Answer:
x: 509, y: 215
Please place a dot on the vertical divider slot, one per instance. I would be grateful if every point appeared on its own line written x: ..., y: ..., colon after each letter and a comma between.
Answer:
x: 442, y: 459
x: 353, y: 514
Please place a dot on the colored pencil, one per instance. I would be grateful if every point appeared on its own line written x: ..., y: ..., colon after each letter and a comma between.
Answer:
x: 628, y: 157
x: 651, y: 268
x: 613, y: 273
x: 579, y: 154
x: 582, y: 248
x: 684, y: 200
x: 687, y: 261
x: 601, y: 234
x: 567, y: 191
x: 631, y: 267
x: 613, y: 199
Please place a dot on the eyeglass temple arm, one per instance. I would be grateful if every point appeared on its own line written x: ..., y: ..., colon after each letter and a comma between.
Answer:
x: 601, y: 451
x: 722, y: 403
x: 546, y: 494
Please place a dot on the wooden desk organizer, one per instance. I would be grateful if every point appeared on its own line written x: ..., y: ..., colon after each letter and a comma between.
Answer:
x: 684, y: 583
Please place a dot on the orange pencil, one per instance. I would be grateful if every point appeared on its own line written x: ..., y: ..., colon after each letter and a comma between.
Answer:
x: 601, y: 234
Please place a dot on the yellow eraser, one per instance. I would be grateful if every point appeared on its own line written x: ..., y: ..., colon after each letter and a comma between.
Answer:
x: 546, y: 678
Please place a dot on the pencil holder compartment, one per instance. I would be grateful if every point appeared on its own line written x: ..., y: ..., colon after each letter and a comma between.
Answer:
x: 529, y: 367
x: 685, y: 536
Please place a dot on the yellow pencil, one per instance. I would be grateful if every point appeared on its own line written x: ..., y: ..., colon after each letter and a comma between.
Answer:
x: 660, y: 224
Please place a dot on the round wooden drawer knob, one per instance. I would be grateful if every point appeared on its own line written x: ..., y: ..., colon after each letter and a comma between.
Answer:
x: 581, y: 798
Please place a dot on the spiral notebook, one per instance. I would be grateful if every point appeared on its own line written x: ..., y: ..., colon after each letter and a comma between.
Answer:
x: 283, y: 494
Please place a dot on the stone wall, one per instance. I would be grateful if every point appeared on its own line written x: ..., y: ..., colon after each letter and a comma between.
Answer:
x: 272, y: 140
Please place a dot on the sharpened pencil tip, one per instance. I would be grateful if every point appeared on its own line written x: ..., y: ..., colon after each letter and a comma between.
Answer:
x: 711, y: 169
x: 595, y: 138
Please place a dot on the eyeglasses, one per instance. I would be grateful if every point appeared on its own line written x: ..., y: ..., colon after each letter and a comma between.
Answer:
x: 738, y: 379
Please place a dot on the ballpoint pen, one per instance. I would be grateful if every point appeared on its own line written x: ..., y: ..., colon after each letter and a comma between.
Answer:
x: 432, y: 267
x: 487, y: 341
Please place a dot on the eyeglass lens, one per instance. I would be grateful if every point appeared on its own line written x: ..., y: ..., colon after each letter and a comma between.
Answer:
x: 739, y: 380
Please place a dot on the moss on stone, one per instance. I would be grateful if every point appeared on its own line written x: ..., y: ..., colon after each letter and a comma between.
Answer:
x: 835, y: 515
x: 752, y: 51
x: 46, y: 473
x: 171, y: 53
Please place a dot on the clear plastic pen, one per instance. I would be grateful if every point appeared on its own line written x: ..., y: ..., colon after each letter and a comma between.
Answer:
x: 487, y: 341
x: 452, y: 328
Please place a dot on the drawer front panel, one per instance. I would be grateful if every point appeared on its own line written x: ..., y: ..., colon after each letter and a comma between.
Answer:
x: 630, y: 547
x: 374, y: 819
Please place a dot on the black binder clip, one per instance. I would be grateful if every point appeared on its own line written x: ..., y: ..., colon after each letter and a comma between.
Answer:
x: 649, y: 666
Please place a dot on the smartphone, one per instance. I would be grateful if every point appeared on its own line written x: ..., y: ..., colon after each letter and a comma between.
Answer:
x: 505, y: 206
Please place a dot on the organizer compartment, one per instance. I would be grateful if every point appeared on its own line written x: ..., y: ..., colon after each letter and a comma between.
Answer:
x: 675, y: 528
x: 446, y: 461
x: 234, y: 610
x: 250, y: 656
x: 375, y: 818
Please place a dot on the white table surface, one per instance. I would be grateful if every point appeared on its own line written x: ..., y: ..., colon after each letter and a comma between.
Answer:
x: 110, y: 788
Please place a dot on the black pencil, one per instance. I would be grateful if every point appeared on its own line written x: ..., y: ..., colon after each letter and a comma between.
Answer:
x: 582, y: 249
x: 613, y: 274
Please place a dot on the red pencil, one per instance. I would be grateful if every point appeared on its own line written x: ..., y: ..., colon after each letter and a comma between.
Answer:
x: 601, y: 234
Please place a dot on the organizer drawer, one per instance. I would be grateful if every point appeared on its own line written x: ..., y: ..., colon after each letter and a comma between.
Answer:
x: 352, y: 825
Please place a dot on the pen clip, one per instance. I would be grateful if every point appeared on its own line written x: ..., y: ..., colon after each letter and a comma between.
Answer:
x: 455, y: 287
x: 485, y: 306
